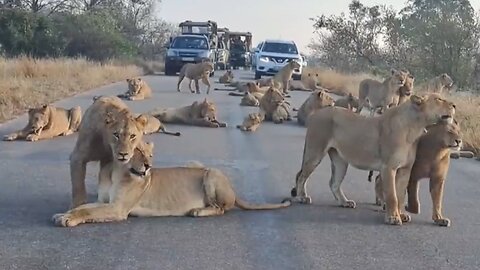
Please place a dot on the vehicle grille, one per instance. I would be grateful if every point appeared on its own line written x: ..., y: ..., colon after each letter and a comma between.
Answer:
x: 187, y: 54
x: 279, y: 60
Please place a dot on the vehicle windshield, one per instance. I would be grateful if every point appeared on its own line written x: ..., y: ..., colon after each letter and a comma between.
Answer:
x: 190, y: 43
x: 280, y: 48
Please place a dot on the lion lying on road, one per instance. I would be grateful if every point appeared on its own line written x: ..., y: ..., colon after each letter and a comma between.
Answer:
x: 386, y: 143
x: 432, y: 161
x: 107, y: 127
x: 251, y: 99
x: 251, y: 87
x: 227, y: 77
x: 154, y: 125
x: 138, y: 89
x: 349, y: 102
x: 195, y: 72
x: 274, y: 106
x: 48, y: 122
x: 198, y: 114
x: 380, y: 95
x: 317, y: 100
x: 138, y: 189
x: 251, y: 122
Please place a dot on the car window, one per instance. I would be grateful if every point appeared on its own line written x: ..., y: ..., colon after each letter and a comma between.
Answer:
x: 280, y: 48
x: 190, y: 43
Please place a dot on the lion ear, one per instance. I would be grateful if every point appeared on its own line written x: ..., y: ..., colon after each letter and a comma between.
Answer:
x: 128, y: 80
x: 444, y: 75
x: 417, y: 100
x: 320, y: 93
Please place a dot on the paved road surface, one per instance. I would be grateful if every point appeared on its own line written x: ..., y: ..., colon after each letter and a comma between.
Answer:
x: 35, y: 184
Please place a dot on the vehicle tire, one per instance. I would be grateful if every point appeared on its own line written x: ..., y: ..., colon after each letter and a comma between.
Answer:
x: 296, y: 77
x: 169, y: 71
x: 258, y: 76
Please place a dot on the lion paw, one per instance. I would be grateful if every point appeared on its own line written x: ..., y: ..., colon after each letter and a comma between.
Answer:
x: 378, y: 202
x: 222, y: 124
x: 63, y: 220
x: 444, y: 222
x: 349, y: 204
x: 306, y: 200
x: 405, y: 217
x: 9, y: 138
x: 32, y: 137
x: 393, y: 220
x: 194, y: 212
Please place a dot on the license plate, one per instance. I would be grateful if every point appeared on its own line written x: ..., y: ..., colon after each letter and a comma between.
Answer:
x: 188, y: 59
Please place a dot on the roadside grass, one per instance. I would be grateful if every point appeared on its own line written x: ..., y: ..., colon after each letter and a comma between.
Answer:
x: 26, y: 82
x: 468, y: 106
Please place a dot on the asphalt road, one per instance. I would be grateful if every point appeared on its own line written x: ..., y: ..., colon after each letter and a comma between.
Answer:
x: 35, y: 184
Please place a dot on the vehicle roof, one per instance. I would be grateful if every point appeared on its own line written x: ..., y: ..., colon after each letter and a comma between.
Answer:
x: 279, y: 41
x: 240, y: 34
x: 192, y: 35
x: 187, y: 23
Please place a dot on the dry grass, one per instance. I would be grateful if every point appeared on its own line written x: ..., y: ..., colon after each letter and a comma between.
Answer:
x: 468, y: 107
x: 26, y: 82
x: 338, y: 82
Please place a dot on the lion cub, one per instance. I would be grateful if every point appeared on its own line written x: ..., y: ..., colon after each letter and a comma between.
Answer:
x: 47, y: 122
x: 137, y: 189
x: 251, y: 122
x: 138, y: 89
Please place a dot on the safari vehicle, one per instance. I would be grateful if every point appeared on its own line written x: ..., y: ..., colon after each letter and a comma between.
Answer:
x: 240, y: 49
x: 223, y: 51
x: 198, y: 42
x: 273, y: 55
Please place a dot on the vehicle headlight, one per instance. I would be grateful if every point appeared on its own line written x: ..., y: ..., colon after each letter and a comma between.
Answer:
x: 172, y: 53
x: 263, y: 59
x: 204, y: 54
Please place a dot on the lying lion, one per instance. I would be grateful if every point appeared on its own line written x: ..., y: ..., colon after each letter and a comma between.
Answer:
x: 226, y: 78
x: 315, y: 101
x: 47, y: 122
x: 137, y: 189
x: 251, y: 87
x: 138, y: 89
x: 107, y: 127
x: 274, y: 107
x: 195, y: 72
x: 349, y: 102
x: 251, y: 122
x: 380, y: 95
x: 154, y: 125
x: 251, y: 99
x: 386, y: 143
x: 198, y: 114
x: 432, y: 161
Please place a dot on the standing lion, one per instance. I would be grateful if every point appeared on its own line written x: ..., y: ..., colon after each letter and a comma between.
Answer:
x: 195, y: 72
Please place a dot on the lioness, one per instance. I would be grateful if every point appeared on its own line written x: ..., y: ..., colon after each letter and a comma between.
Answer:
x: 439, y: 84
x: 154, y: 125
x: 431, y: 161
x: 202, y: 114
x: 251, y: 122
x: 380, y: 95
x: 349, y: 102
x: 227, y: 77
x: 406, y: 90
x: 388, y: 144
x: 317, y: 100
x: 138, y: 89
x: 251, y: 87
x: 274, y: 106
x: 195, y: 72
x: 47, y: 122
x: 107, y: 127
x: 138, y: 189
x: 251, y: 99
x: 284, y: 75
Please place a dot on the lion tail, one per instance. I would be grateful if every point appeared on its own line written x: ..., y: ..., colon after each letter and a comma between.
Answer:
x: 268, y: 206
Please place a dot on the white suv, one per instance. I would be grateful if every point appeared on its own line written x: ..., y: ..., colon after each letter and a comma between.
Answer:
x: 272, y: 55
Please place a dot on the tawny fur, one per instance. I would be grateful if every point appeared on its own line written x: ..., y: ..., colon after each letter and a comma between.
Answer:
x: 349, y: 102
x: 138, y: 89
x: 274, y: 107
x: 227, y: 77
x: 315, y: 101
x: 251, y: 122
x: 284, y: 75
x: 441, y: 84
x: 196, y: 72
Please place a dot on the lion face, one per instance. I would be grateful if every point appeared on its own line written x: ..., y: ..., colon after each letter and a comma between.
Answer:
x: 142, y: 160
x: 446, y: 80
x: 322, y: 99
x: 399, y: 77
x: 134, y: 85
x: 255, y: 118
x: 207, y: 67
x: 275, y: 96
x: 434, y: 107
x: 447, y: 134
x: 250, y: 99
x: 407, y: 88
x: 294, y: 64
x: 38, y: 118
x: 230, y: 73
x: 124, y: 133
x: 208, y: 110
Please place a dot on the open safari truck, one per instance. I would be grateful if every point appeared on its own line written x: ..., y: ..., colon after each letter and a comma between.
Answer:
x: 240, y: 44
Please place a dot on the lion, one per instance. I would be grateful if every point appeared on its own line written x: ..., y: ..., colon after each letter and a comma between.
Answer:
x: 195, y: 72
x: 431, y: 161
x: 47, y: 122
x: 440, y: 83
x: 406, y: 90
x: 237, y: 87
x: 250, y: 99
x: 138, y: 89
x: 137, y: 189
x: 251, y: 122
x: 251, y: 87
x: 380, y: 95
x: 349, y: 102
x: 274, y: 106
x: 387, y: 144
x: 108, y: 131
x: 154, y: 125
x: 202, y: 114
x: 227, y: 77
x: 283, y: 76
x: 317, y: 100
x: 297, y: 86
